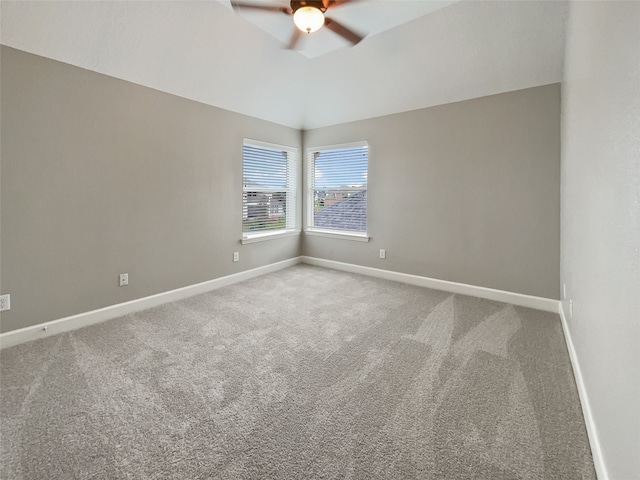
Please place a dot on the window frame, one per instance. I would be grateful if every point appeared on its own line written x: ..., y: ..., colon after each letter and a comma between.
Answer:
x: 292, y: 192
x: 309, y: 228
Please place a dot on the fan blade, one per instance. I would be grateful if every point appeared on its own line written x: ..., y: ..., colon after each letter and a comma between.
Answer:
x: 343, y: 31
x: 334, y: 3
x: 255, y: 6
x: 294, y: 39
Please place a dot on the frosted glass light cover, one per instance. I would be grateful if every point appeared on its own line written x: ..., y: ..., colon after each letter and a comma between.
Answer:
x: 308, y: 19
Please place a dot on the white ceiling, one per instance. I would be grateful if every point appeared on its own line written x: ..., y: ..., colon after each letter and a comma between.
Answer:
x: 203, y: 50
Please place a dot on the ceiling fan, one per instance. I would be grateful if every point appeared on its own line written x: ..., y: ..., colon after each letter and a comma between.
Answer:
x: 308, y: 16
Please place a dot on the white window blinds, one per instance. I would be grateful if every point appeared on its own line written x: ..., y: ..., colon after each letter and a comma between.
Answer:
x: 338, y: 188
x: 269, y: 174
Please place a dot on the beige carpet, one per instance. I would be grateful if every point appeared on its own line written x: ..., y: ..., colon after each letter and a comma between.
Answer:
x: 301, y: 374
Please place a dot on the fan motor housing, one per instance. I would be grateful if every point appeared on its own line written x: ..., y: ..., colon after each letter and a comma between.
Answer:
x: 296, y: 4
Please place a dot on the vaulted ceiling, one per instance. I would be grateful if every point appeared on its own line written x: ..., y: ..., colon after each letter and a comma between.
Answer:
x: 415, y: 54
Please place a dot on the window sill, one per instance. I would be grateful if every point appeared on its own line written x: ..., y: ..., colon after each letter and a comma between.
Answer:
x: 261, y: 237
x: 357, y: 237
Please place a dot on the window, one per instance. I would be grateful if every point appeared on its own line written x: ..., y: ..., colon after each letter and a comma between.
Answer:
x: 337, y: 178
x: 269, y: 181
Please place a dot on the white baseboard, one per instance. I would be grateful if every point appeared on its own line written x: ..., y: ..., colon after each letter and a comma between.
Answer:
x: 539, y: 303
x: 34, y: 332
x: 592, y: 431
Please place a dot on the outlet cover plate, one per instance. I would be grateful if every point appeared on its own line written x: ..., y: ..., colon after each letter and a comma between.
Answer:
x: 5, y: 302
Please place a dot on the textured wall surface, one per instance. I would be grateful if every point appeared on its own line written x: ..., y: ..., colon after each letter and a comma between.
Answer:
x: 100, y: 176
x: 466, y: 192
x: 601, y: 218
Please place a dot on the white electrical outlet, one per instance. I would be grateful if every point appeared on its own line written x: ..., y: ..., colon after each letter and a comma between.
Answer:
x: 383, y: 253
x: 5, y: 302
x: 236, y: 256
x: 124, y: 279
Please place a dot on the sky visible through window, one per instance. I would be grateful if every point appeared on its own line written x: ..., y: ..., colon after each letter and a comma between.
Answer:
x: 341, y: 168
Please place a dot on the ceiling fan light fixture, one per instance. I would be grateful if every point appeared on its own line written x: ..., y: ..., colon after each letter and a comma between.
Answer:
x: 308, y: 19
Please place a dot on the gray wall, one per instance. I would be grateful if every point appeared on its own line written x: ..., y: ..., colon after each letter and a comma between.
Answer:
x: 601, y: 218
x: 467, y: 192
x: 101, y: 176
